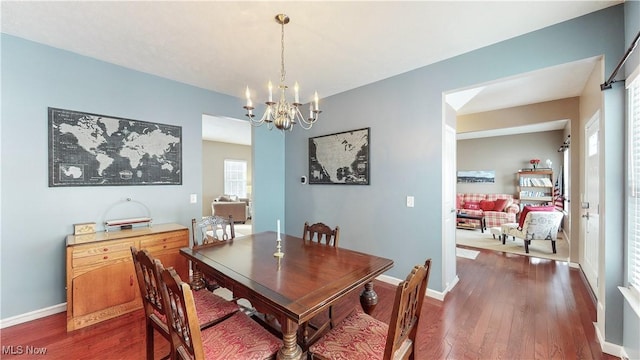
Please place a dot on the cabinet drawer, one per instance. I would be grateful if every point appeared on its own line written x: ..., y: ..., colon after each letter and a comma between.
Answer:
x: 88, y: 255
x: 174, y: 240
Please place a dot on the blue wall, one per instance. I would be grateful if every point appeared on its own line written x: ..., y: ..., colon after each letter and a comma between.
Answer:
x: 405, y: 114
x: 36, y: 219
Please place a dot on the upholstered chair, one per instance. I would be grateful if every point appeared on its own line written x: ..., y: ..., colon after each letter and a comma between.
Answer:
x: 363, y: 337
x: 538, y: 225
x: 235, y: 338
x: 209, y: 231
x: 211, y: 308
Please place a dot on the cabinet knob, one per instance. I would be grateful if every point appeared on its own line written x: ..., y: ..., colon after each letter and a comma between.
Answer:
x: 130, y: 280
x: 105, y: 257
x: 105, y: 249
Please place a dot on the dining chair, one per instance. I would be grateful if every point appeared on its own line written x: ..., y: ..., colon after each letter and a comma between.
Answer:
x: 363, y: 337
x: 237, y: 337
x: 209, y: 231
x: 211, y: 308
x: 321, y: 233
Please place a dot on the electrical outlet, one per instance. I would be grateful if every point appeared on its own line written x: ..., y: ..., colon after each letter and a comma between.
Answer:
x: 410, y: 201
x: 193, y: 198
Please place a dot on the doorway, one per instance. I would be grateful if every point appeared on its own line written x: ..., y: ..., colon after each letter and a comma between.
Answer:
x: 224, y: 139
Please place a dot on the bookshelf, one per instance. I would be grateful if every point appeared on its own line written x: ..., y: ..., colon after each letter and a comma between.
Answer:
x: 535, y: 186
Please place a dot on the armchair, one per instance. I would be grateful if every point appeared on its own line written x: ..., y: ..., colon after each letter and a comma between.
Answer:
x: 538, y: 225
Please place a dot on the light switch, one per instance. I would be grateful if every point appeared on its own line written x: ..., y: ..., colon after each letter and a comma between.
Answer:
x: 193, y: 198
x: 409, y: 201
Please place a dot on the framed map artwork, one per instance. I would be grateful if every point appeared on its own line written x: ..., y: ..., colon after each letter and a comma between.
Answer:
x: 341, y: 158
x: 98, y: 150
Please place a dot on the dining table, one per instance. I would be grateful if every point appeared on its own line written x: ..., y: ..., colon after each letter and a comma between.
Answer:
x: 303, y: 281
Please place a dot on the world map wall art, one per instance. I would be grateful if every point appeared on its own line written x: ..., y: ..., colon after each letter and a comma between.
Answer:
x: 99, y: 150
x: 341, y: 158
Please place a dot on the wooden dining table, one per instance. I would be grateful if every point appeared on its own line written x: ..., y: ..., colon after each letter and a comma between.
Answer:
x: 294, y: 288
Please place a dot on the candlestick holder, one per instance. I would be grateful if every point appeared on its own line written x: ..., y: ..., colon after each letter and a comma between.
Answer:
x: 278, y: 252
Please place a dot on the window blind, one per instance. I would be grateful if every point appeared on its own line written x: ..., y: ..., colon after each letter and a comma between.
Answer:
x: 634, y: 183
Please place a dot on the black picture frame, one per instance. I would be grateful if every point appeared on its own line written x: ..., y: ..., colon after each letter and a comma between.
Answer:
x: 88, y: 149
x: 340, y: 158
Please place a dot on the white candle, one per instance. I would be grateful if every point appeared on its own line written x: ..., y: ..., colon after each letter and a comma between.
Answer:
x: 316, y: 98
x: 295, y: 93
x: 278, y: 228
x: 270, y: 91
x: 248, y: 94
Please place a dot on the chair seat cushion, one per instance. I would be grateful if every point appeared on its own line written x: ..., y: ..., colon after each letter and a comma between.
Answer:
x: 358, y: 337
x: 239, y: 337
x: 211, y: 307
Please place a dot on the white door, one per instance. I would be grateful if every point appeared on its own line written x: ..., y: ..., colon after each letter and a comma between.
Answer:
x: 449, y: 147
x: 591, y: 203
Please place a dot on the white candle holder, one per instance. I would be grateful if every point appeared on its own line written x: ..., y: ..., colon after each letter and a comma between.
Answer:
x: 278, y: 252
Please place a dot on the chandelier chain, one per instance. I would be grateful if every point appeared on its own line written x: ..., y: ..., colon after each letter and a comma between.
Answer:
x: 282, y: 71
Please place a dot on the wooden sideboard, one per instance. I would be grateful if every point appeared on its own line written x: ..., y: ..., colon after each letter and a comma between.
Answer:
x: 101, y: 279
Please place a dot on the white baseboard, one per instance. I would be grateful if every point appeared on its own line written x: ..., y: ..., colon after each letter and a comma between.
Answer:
x: 430, y: 293
x: 609, y: 348
x: 33, y: 315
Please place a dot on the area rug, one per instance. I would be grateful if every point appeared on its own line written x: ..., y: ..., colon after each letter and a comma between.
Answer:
x: 538, y: 248
x: 466, y: 253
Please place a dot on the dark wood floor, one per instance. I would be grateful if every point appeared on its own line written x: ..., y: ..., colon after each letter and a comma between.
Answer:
x: 505, y: 306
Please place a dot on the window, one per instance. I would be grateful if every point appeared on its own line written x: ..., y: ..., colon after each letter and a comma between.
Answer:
x: 633, y: 211
x: 235, y: 178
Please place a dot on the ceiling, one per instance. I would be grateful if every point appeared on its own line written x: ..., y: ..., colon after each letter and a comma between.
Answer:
x: 226, y: 45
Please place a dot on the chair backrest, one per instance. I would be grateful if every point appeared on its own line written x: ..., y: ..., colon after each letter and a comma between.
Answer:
x: 406, y: 312
x: 321, y: 233
x: 205, y: 230
x: 542, y: 225
x: 150, y: 289
x: 186, y: 338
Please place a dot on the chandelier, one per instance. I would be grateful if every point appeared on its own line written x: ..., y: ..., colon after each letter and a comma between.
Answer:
x: 282, y: 114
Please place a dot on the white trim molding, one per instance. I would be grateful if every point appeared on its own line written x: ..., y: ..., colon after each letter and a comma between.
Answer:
x: 609, y: 348
x: 33, y: 315
x: 430, y: 293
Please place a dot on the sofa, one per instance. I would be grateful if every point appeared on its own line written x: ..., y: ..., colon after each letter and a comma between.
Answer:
x: 497, y: 209
x: 226, y: 206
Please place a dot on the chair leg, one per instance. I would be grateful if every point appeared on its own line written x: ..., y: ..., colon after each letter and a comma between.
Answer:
x: 504, y: 238
x: 526, y: 246
x: 149, y: 342
x: 553, y: 246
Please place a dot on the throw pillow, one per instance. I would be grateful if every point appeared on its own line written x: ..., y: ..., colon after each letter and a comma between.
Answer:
x: 500, y: 204
x: 472, y: 205
x: 487, y: 205
x: 529, y: 208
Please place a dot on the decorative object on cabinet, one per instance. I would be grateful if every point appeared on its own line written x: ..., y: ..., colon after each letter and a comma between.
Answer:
x: 84, y: 228
x: 101, y: 279
x: 534, y: 187
x: 128, y: 223
x: 340, y: 158
x: 78, y: 156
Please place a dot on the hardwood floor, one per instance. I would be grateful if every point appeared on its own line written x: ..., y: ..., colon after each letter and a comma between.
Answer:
x: 505, y: 306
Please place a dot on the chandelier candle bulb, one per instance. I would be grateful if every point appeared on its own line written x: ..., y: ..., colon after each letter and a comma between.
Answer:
x: 270, y: 91
x: 296, y: 95
x: 278, y: 229
x: 316, y: 99
x: 248, y: 94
